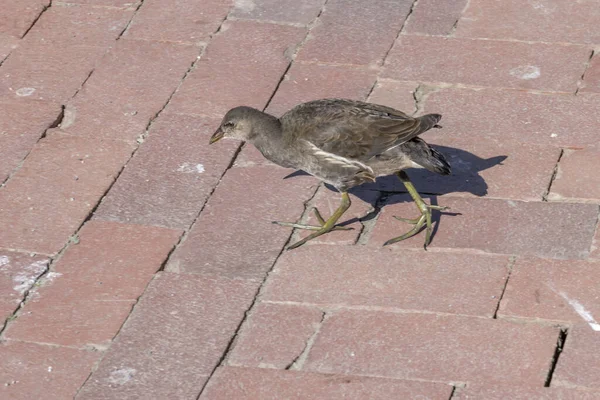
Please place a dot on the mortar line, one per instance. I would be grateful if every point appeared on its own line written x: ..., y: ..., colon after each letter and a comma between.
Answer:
x: 560, y: 344
x: 553, y: 176
x: 587, y: 66
x: 298, y: 362
x: 510, y: 266
x: 455, y: 25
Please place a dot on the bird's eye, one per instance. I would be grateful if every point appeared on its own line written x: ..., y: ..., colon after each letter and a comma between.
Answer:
x: 228, y: 125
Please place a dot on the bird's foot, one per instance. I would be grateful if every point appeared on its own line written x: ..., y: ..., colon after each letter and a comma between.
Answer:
x: 321, y: 220
x: 419, y: 222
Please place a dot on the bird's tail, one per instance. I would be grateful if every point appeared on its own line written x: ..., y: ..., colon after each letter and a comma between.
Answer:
x: 429, y: 121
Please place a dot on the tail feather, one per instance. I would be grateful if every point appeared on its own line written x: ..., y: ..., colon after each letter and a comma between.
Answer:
x: 438, y: 163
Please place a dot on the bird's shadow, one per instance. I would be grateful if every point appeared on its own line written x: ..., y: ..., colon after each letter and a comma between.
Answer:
x: 465, y: 178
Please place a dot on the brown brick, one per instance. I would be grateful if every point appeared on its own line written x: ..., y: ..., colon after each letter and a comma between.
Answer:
x: 131, y: 84
x: 591, y: 82
x: 173, y: 340
x: 54, y: 191
x: 7, y: 45
x: 220, y: 81
x: 433, y: 17
x: 576, y: 178
x: 355, y: 32
x: 578, y: 365
x: 517, y: 117
x: 94, y: 285
x: 22, y: 124
x: 131, y: 4
x: 410, y: 280
x: 60, y: 51
x: 274, y: 335
x: 34, y: 371
x: 19, y: 16
x: 266, y: 384
x: 18, y: 273
x: 549, y: 67
x: 170, y: 177
x: 399, y: 95
x: 234, y: 236
x: 523, y: 393
x: 482, y: 167
x: 35, y: 72
x: 305, y: 82
x: 178, y: 20
x: 551, y: 289
x: 292, y: 11
x: 546, y: 21
x: 433, y: 347
x: 550, y: 230
x: 74, y: 25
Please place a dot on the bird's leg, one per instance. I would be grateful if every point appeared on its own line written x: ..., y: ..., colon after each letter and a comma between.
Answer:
x: 319, y: 218
x: 424, y: 208
x: 326, y: 226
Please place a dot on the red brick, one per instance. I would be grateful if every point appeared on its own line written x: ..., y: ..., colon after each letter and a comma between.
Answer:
x: 576, y: 178
x: 433, y: 17
x: 541, y: 66
x: 170, y: 177
x: 130, y: 86
x: 433, y: 347
x: 178, y: 20
x: 64, y: 25
x: 591, y: 81
x: 94, y: 285
x: 291, y: 11
x: 579, y: 362
x: 266, y: 384
x: 246, y: 243
x: 35, y: 72
x: 327, y: 201
x: 7, y: 45
x: 54, y: 191
x: 21, y: 125
x: 399, y: 95
x: 60, y: 51
x: 33, y: 371
x: 131, y: 4
x: 274, y: 335
x: 523, y: 393
x: 19, y: 16
x: 18, y: 273
x: 355, y: 32
x: 517, y: 117
x: 483, y: 167
x: 411, y: 280
x: 220, y: 81
x: 551, y: 289
x: 305, y: 82
x: 550, y: 230
x: 546, y: 21
x: 173, y: 340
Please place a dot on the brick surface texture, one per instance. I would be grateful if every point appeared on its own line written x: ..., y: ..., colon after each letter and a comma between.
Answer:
x: 138, y: 262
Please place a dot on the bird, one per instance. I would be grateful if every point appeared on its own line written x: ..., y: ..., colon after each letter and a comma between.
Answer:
x: 344, y: 143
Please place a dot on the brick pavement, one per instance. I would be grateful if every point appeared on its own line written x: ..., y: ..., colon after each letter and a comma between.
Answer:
x: 138, y: 263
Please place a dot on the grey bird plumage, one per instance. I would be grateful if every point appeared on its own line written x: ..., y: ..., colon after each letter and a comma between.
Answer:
x: 342, y: 142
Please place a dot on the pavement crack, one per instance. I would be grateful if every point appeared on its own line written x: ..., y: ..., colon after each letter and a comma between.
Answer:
x: 560, y: 345
x: 298, y: 362
x: 585, y: 69
x: 137, y: 8
x: 553, y: 177
x: 368, y: 221
x: 509, y: 270
x: 36, y: 19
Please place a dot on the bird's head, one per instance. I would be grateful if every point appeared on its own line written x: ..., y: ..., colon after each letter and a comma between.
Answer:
x: 238, y: 124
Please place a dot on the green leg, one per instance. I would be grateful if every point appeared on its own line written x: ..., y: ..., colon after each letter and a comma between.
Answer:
x: 327, y: 226
x: 424, y: 208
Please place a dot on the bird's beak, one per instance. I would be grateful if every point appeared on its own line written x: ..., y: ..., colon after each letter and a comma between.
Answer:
x: 218, y: 135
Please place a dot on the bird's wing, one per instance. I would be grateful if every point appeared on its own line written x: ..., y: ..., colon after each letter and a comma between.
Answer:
x: 353, y: 129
